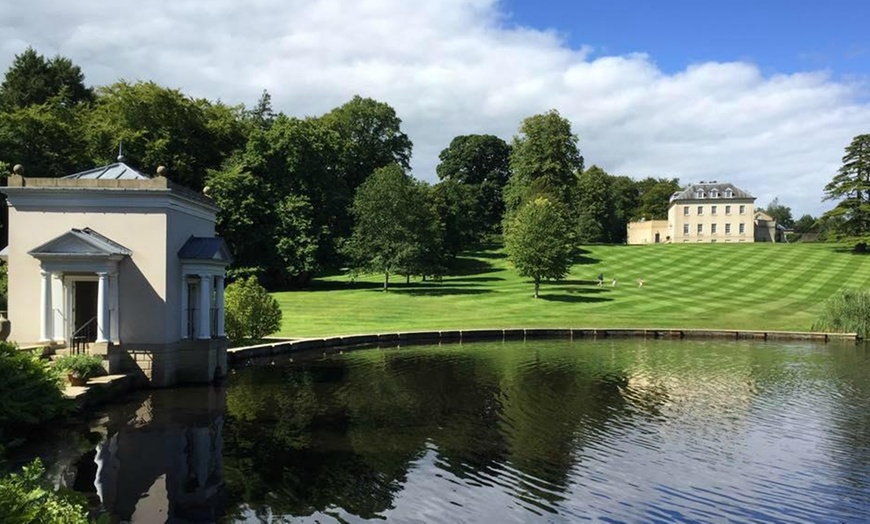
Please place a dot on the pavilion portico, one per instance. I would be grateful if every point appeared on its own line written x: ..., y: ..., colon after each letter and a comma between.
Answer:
x: 79, y: 287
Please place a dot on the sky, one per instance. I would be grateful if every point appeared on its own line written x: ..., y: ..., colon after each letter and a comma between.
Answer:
x: 762, y: 94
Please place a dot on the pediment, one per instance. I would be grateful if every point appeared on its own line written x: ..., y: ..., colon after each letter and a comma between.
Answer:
x: 80, y: 243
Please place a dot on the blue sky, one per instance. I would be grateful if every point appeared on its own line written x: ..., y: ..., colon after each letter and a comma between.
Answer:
x: 780, y: 36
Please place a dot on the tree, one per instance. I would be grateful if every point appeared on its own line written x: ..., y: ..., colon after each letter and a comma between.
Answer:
x: 45, y: 138
x: 595, y: 206
x: 537, y: 241
x: 371, y: 138
x: 297, y: 238
x: 851, y: 186
x: 481, y: 162
x: 655, y: 197
x: 246, y: 219
x: 251, y: 312
x: 805, y: 224
x: 846, y: 312
x: 779, y: 212
x: 161, y: 126
x: 393, y: 223
x: 626, y: 198
x: 33, y: 80
x: 544, y: 161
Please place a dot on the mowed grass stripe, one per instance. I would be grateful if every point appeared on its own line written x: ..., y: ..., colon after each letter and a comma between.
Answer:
x: 726, y: 286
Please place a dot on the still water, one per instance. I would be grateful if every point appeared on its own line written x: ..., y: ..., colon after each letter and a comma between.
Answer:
x: 550, y: 431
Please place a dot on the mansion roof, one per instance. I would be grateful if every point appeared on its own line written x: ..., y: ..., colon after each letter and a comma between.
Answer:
x: 712, y: 190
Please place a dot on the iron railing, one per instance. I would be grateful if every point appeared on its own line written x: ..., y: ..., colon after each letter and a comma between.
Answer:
x: 84, y: 334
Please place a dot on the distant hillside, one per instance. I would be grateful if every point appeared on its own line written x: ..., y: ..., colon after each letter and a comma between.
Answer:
x: 751, y: 286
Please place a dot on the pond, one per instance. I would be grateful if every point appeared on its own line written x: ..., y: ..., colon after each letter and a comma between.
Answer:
x: 545, y: 431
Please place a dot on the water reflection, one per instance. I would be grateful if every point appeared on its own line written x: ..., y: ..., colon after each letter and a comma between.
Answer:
x: 544, y: 432
x: 160, y: 459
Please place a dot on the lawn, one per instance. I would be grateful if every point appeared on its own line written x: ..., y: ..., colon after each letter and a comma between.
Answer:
x: 716, y: 286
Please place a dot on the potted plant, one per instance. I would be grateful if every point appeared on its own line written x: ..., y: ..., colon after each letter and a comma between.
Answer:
x: 79, y: 368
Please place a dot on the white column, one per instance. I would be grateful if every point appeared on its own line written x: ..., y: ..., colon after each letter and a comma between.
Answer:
x: 115, y: 316
x: 204, y: 330
x: 184, y: 306
x: 219, y: 305
x: 58, y: 318
x: 45, y: 307
x: 103, y: 308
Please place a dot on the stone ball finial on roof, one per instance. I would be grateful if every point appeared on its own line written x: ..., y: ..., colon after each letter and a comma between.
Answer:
x: 161, y: 170
x: 18, y: 170
x: 206, y: 190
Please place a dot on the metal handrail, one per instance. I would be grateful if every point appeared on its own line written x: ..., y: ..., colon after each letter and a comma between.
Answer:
x: 79, y: 341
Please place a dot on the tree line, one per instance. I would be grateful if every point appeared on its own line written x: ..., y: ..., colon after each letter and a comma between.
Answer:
x: 301, y: 196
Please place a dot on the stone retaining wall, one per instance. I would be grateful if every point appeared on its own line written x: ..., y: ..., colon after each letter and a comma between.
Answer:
x: 238, y: 355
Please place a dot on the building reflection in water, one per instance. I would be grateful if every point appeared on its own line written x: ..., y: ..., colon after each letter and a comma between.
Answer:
x: 161, y: 463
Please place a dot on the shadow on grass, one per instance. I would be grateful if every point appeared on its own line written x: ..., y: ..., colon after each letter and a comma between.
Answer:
x: 574, y: 282
x: 440, y: 291
x: 338, y: 285
x: 582, y: 291
x: 469, y: 266
x: 449, y: 280
x: 582, y: 258
x: 574, y: 298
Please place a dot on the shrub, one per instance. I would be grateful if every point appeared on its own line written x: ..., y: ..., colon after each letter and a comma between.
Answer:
x: 846, y: 312
x: 251, y: 312
x: 81, y: 365
x: 27, y: 498
x: 30, y: 392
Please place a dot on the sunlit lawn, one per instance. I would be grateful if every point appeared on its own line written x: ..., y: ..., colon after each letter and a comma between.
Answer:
x: 726, y: 286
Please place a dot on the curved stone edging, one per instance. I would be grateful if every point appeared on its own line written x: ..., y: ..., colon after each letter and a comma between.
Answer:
x: 235, y: 355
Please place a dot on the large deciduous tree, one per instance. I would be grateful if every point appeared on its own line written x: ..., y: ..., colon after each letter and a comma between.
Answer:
x: 482, y: 163
x: 655, y: 197
x: 544, y: 161
x: 371, y: 138
x: 393, y: 224
x: 538, y: 242
x: 161, y: 126
x: 851, y: 187
x: 596, y: 212
x: 779, y: 212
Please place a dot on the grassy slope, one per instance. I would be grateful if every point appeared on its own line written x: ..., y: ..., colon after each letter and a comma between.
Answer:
x: 727, y: 286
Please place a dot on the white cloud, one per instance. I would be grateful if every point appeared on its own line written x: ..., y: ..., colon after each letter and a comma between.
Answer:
x: 453, y: 67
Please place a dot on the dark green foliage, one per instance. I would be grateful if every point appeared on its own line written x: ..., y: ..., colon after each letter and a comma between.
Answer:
x: 537, y: 241
x: 45, y: 138
x: 33, y: 80
x: 595, y: 206
x: 371, y: 138
x: 29, y: 498
x: 251, y: 312
x: 655, y: 197
x: 482, y: 163
x: 297, y: 238
x: 544, y: 161
x: 246, y: 218
x: 81, y: 365
x: 30, y: 392
x: 851, y: 188
x: 805, y: 224
x: 846, y: 312
x: 161, y: 126
x: 396, y: 228
x: 779, y: 212
x: 455, y: 205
